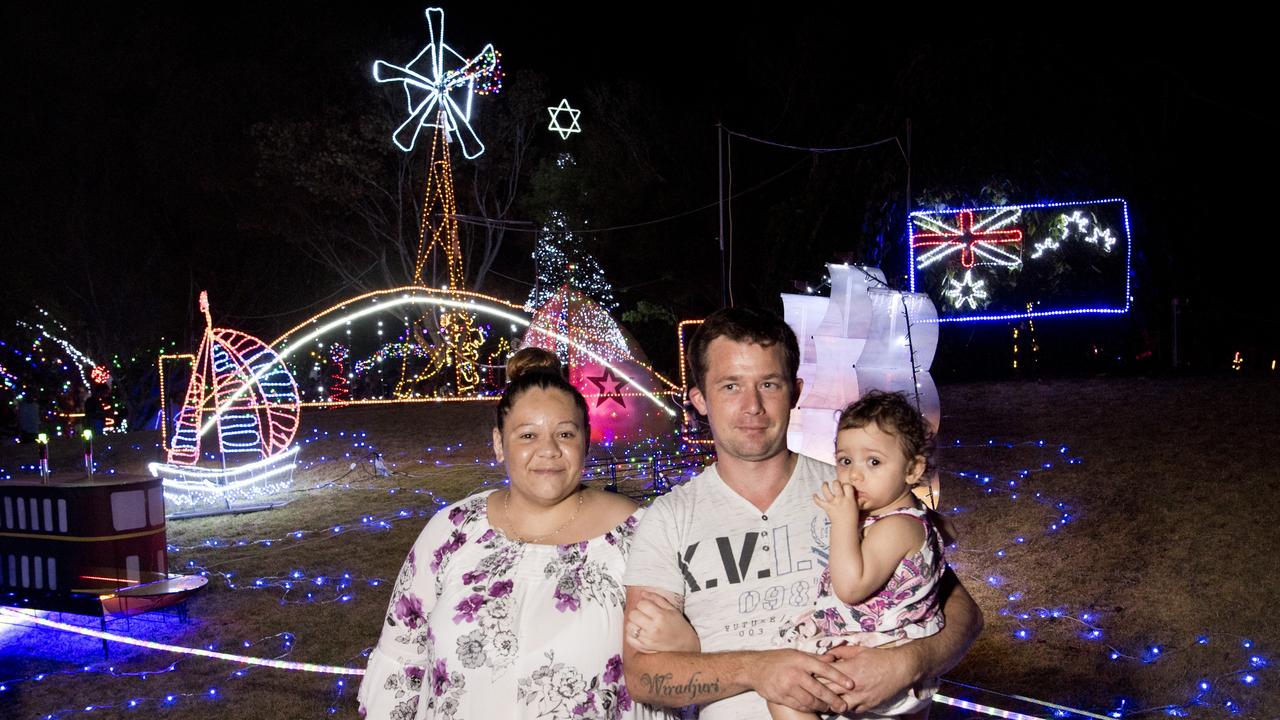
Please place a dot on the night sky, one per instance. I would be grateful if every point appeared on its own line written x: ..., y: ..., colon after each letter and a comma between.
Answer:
x: 136, y: 173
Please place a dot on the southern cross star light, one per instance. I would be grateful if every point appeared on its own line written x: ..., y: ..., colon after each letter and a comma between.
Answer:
x: 981, y: 240
x: 1045, y: 246
x: 1103, y: 236
x: 430, y: 88
x: 1076, y: 218
x: 559, y: 127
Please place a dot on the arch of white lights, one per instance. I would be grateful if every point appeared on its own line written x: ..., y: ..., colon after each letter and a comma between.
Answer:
x: 300, y: 335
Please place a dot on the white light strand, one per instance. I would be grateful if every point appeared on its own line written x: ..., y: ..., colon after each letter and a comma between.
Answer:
x: 985, y: 709
x: 471, y: 306
x: 79, y: 359
x: 999, y: 219
x: 26, y: 616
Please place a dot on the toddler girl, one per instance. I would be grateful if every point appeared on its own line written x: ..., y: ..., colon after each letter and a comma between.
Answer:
x: 880, y: 587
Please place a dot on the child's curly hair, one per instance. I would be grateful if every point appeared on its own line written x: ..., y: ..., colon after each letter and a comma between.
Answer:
x: 894, y: 414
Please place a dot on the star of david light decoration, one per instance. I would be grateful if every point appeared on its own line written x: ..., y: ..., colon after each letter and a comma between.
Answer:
x: 604, y: 394
x: 986, y: 239
x: 440, y: 97
x: 967, y: 290
x: 557, y: 126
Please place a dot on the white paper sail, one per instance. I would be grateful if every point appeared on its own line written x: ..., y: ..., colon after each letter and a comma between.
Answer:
x: 864, y: 336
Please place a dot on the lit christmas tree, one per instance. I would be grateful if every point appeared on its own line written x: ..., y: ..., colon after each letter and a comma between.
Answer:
x: 559, y: 260
x: 568, y: 313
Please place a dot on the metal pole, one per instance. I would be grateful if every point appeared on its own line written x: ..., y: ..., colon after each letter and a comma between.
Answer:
x: 724, y: 280
x: 908, y: 168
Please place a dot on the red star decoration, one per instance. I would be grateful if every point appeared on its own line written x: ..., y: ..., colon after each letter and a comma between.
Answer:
x: 603, y: 394
x: 967, y: 237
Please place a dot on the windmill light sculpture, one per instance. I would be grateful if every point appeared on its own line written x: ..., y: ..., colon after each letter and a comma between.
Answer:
x: 430, y: 88
x: 431, y: 82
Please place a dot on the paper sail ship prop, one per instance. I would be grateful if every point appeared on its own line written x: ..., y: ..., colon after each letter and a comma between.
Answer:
x: 864, y: 336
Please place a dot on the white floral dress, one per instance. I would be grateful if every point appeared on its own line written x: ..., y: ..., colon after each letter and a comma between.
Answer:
x: 482, y: 626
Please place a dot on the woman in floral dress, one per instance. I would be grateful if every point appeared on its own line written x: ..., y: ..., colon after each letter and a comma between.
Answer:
x: 509, y: 604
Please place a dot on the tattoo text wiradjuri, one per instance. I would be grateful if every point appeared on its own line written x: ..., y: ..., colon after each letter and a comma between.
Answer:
x: 689, y: 691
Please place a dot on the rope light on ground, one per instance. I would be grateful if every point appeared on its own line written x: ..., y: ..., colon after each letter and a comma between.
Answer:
x: 997, y: 712
x: 986, y: 709
x: 243, y: 659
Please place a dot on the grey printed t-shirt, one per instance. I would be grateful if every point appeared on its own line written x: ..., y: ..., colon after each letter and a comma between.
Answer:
x: 742, y: 572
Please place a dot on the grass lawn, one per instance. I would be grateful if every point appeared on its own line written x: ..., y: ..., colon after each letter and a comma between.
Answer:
x: 1165, y: 543
x: 1166, y: 546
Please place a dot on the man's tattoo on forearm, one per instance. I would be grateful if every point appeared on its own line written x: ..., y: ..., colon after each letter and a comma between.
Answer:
x: 690, y: 690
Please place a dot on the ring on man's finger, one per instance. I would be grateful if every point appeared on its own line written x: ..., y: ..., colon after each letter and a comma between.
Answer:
x: 636, y: 633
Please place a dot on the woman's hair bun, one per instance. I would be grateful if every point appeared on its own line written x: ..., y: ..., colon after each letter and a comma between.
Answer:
x: 531, y: 360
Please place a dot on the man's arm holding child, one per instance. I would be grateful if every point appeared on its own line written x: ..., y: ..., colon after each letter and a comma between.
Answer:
x: 676, y: 679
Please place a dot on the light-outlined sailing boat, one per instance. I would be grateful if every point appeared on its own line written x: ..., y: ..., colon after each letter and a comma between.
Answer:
x: 241, y: 390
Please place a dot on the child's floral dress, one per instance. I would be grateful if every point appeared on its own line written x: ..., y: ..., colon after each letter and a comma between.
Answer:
x: 906, y: 608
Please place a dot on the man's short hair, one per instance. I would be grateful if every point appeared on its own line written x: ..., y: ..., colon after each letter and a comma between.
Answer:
x: 742, y: 324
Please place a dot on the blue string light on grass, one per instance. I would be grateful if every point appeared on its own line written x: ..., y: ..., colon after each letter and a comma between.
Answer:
x: 1220, y: 691
x: 645, y: 462
x: 316, y: 588
x: 335, y: 587
x: 1215, y: 691
x: 158, y: 702
x: 366, y: 523
x: 111, y: 670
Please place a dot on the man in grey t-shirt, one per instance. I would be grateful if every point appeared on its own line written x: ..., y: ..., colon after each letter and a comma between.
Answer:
x: 739, y: 548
